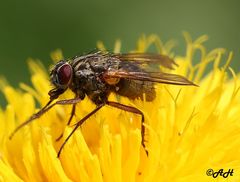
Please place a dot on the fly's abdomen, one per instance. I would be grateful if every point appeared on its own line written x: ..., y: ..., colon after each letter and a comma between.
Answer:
x: 135, y: 89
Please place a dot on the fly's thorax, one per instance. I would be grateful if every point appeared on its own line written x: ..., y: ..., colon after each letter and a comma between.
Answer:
x: 87, y: 80
x: 94, y: 67
x: 88, y: 76
x: 88, y: 83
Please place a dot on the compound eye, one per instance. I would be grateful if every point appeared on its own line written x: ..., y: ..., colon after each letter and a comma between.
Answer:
x: 64, y: 74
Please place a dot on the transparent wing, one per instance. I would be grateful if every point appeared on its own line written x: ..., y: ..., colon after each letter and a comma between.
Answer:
x: 148, y: 59
x: 158, y: 77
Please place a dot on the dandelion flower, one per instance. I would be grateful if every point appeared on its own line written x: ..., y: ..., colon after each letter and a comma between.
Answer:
x: 189, y: 129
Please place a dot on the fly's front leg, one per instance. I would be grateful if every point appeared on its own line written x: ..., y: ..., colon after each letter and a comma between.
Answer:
x: 132, y: 110
x: 43, y: 111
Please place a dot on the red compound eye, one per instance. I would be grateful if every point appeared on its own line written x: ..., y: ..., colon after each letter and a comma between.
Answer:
x: 64, y: 74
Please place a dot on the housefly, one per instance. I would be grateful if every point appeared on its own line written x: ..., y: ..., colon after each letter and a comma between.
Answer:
x: 97, y: 74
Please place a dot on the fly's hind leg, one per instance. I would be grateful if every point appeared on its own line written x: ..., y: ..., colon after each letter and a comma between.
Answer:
x: 132, y: 110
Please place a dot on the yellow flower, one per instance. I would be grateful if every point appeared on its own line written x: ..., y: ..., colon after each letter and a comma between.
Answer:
x: 189, y: 129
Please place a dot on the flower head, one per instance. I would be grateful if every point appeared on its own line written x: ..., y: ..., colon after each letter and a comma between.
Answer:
x: 189, y: 129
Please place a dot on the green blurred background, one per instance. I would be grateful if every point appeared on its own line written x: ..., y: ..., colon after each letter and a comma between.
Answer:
x: 35, y: 28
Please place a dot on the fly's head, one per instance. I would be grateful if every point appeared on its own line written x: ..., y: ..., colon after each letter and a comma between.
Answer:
x: 61, y: 77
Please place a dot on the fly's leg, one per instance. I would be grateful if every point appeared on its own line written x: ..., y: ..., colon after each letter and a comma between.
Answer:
x: 69, y: 121
x: 132, y: 110
x: 72, y: 114
x: 43, y: 111
x: 79, y: 123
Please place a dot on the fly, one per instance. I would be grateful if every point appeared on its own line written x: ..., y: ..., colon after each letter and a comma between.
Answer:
x: 97, y: 74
